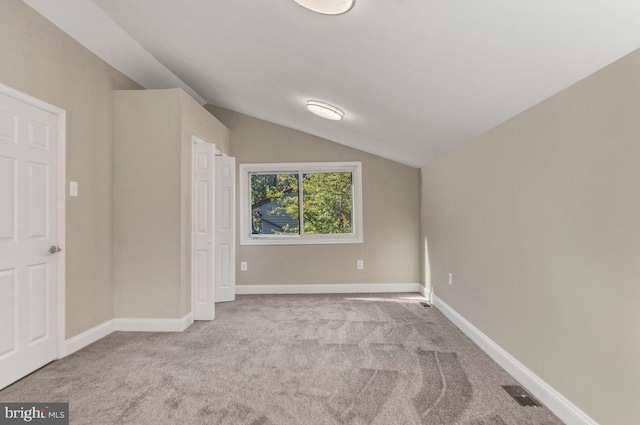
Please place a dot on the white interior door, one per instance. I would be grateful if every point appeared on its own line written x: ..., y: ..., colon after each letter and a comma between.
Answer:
x: 225, y: 229
x: 203, y: 216
x: 30, y: 140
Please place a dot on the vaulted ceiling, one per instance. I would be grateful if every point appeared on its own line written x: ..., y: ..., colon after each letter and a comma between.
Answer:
x: 416, y: 78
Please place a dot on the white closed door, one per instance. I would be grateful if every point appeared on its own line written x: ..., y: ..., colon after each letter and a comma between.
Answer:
x: 29, y: 211
x: 203, y: 265
x: 225, y: 229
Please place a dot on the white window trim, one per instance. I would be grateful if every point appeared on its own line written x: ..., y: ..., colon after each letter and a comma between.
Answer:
x: 246, y: 238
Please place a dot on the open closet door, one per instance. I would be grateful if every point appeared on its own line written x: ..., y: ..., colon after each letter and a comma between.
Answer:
x: 225, y: 229
x: 203, y: 218
x: 31, y: 232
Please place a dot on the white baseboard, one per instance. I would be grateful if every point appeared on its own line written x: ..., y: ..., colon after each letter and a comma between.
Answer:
x: 556, y: 402
x: 424, y: 293
x: 334, y: 288
x: 154, y: 325
x: 90, y: 336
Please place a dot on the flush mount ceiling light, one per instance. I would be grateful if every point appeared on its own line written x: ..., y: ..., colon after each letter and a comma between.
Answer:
x: 327, y: 7
x: 325, y: 110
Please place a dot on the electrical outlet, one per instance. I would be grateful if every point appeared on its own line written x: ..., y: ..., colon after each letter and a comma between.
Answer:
x: 450, y: 278
x: 73, y: 189
x: 243, y: 266
x: 360, y: 264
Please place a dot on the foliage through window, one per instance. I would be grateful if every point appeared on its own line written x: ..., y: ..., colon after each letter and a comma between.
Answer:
x: 274, y: 204
x: 302, y: 203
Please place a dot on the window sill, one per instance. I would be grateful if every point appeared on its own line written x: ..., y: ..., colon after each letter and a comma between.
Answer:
x: 300, y: 241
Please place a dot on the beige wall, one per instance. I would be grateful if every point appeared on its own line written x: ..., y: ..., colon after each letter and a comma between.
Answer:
x: 42, y: 61
x: 147, y: 210
x: 152, y: 186
x: 391, y: 212
x: 539, y: 221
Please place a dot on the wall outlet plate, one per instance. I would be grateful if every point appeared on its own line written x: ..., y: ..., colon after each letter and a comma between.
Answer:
x: 243, y: 266
x: 360, y: 264
x: 73, y: 189
x: 450, y: 278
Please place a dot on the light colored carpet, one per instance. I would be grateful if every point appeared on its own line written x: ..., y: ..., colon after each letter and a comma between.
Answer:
x: 288, y: 359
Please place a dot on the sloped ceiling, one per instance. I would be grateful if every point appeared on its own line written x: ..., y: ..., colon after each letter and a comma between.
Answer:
x: 416, y: 78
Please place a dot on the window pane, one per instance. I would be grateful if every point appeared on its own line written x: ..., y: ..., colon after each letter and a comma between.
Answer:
x: 328, y: 203
x: 274, y: 204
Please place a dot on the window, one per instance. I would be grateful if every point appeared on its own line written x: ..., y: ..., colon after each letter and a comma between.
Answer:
x: 306, y: 203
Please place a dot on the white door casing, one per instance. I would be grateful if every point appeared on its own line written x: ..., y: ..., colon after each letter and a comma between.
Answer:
x: 225, y: 229
x: 203, y: 234
x: 32, y: 182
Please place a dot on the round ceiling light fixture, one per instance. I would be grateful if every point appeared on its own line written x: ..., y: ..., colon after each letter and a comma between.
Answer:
x: 325, y: 110
x: 328, y: 7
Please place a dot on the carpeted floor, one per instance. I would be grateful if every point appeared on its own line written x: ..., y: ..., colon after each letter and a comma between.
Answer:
x: 287, y: 359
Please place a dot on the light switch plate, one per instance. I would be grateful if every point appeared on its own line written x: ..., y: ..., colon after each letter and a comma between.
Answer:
x: 73, y: 189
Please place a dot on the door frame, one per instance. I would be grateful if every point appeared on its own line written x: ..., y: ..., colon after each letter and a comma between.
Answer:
x: 194, y: 141
x: 62, y: 199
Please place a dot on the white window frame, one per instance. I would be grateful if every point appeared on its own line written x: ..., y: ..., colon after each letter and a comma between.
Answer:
x: 246, y: 238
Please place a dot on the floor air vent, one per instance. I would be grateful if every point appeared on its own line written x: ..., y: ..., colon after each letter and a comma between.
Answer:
x: 425, y: 304
x: 521, y: 395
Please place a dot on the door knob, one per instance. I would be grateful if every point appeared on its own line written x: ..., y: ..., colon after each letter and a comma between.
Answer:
x: 54, y: 249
